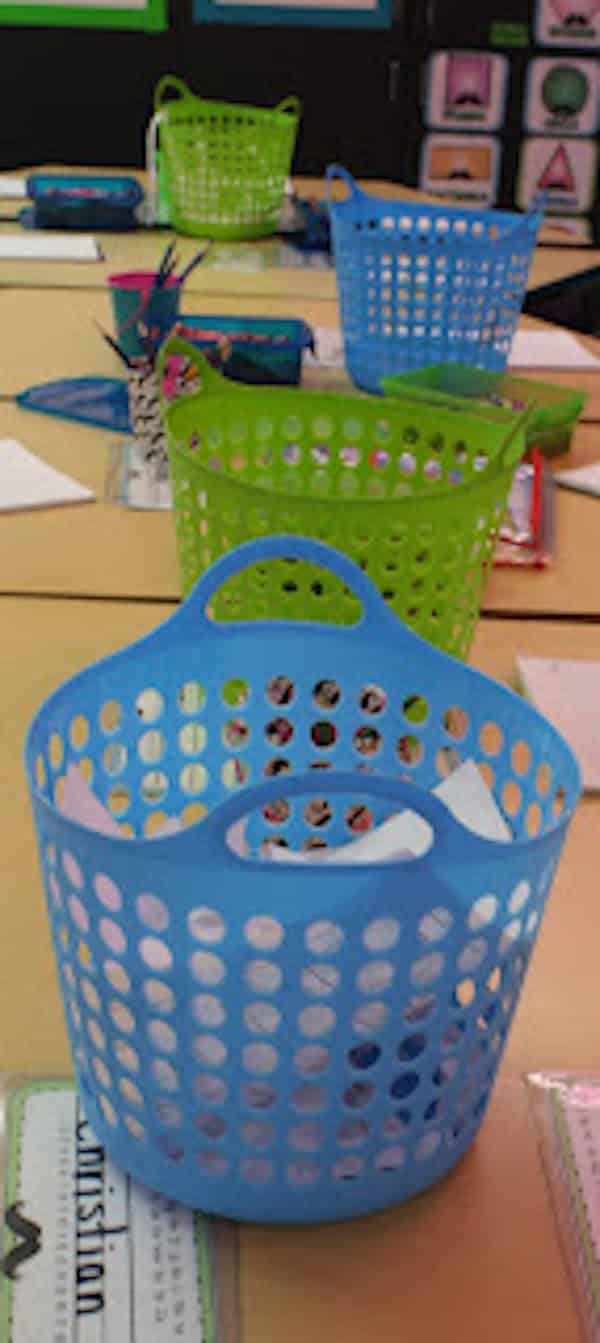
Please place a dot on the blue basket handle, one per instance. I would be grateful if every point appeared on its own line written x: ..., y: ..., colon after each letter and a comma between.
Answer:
x: 377, y: 616
x: 449, y: 836
x: 334, y: 172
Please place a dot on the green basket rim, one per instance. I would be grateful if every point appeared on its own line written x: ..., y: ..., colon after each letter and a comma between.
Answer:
x: 496, y: 471
x: 218, y: 108
x: 564, y: 409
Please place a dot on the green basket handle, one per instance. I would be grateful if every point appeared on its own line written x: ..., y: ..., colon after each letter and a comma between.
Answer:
x: 209, y: 378
x: 516, y: 443
x: 175, y: 85
x: 290, y: 104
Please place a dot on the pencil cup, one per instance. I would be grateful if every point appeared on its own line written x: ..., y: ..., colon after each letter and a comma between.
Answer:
x: 134, y: 301
x: 145, y: 418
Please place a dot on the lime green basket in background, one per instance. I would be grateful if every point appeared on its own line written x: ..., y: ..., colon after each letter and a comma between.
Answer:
x: 221, y: 166
x: 413, y: 493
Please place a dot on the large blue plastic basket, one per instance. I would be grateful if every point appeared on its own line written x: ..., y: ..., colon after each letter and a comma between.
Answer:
x: 423, y: 284
x: 277, y: 1041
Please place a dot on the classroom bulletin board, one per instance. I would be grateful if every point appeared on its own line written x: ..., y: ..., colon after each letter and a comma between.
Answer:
x: 150, y: 15
x: 311, y: 13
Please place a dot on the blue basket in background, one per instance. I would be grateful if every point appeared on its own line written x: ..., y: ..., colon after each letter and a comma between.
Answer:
x: 424, y: 284
x: 257, y: 350
x: 282, y: 1041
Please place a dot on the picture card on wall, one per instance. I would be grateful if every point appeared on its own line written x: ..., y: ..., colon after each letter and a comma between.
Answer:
x: 466, y: 88
x: 460, y: 167
x: 562, y: 95
x: 557, y: 175
x: 568, y: 23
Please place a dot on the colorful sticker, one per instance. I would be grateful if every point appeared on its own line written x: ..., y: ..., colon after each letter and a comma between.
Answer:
x: 508, y: 33
x: 562, y: 96
x: 86, y: 1254
x: 557, y: 175
x: 466, y: 88
x: 568, y: 23
x: 460, y: 167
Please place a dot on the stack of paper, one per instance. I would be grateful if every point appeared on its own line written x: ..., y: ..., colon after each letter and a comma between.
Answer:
x: 586, y: 479
x: 550, y: 349
x: 530, y: 349
x: 49, y: 247
x: 12, y: 188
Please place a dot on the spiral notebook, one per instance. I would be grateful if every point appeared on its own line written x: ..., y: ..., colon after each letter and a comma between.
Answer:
x: 566, y: 1111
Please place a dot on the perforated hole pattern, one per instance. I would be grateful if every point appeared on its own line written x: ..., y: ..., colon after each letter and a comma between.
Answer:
x: 226, y: 166
x: 433, y: 482
x: 421, y: 285
x: 222, y: 1036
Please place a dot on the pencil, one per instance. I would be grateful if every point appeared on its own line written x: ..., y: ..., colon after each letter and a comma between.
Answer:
x: 117, y: 348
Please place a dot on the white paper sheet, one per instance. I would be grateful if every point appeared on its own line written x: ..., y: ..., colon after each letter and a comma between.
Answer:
x: 531, y: 349
x: 550, y: 349
x: 586, y: 479
x: 49, y: 247
x: 28, y: 482
x: 567, y: 691
x: 12, y: 188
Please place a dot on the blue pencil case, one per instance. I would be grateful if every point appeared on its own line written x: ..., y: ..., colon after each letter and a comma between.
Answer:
x: 83, y: 202
x: 90, y: 400
x: 251, y: 349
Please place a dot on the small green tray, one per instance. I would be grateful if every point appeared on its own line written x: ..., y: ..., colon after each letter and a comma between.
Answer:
x: 554, y: 410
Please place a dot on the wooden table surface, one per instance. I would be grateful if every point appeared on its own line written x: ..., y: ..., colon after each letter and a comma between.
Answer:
x: 477, y: 1257
x: 141, y: 249
x: 105, y: 550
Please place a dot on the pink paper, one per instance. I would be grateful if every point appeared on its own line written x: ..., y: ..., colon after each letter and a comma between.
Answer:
x: 79, y: 803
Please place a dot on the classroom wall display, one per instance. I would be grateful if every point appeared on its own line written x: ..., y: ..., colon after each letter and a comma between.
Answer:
x: 314, y: 13
x: 509, y: 108
x: 151, y: 15
x: 562, y: 96
x: 460, y: 167
x: 568, y: 23
x: 557, y: 175
x: 466, y: 89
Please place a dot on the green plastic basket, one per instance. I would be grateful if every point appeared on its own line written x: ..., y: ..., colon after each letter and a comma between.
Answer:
x: 413, y: 493
x: 222, y: 166
x: 554, y: 410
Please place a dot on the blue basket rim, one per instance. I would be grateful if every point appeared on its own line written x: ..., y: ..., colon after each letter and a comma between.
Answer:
x: 192, y: 610
x: 527, y: 221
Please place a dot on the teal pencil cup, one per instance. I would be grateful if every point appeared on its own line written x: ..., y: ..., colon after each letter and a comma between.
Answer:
x: 134, y: 301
